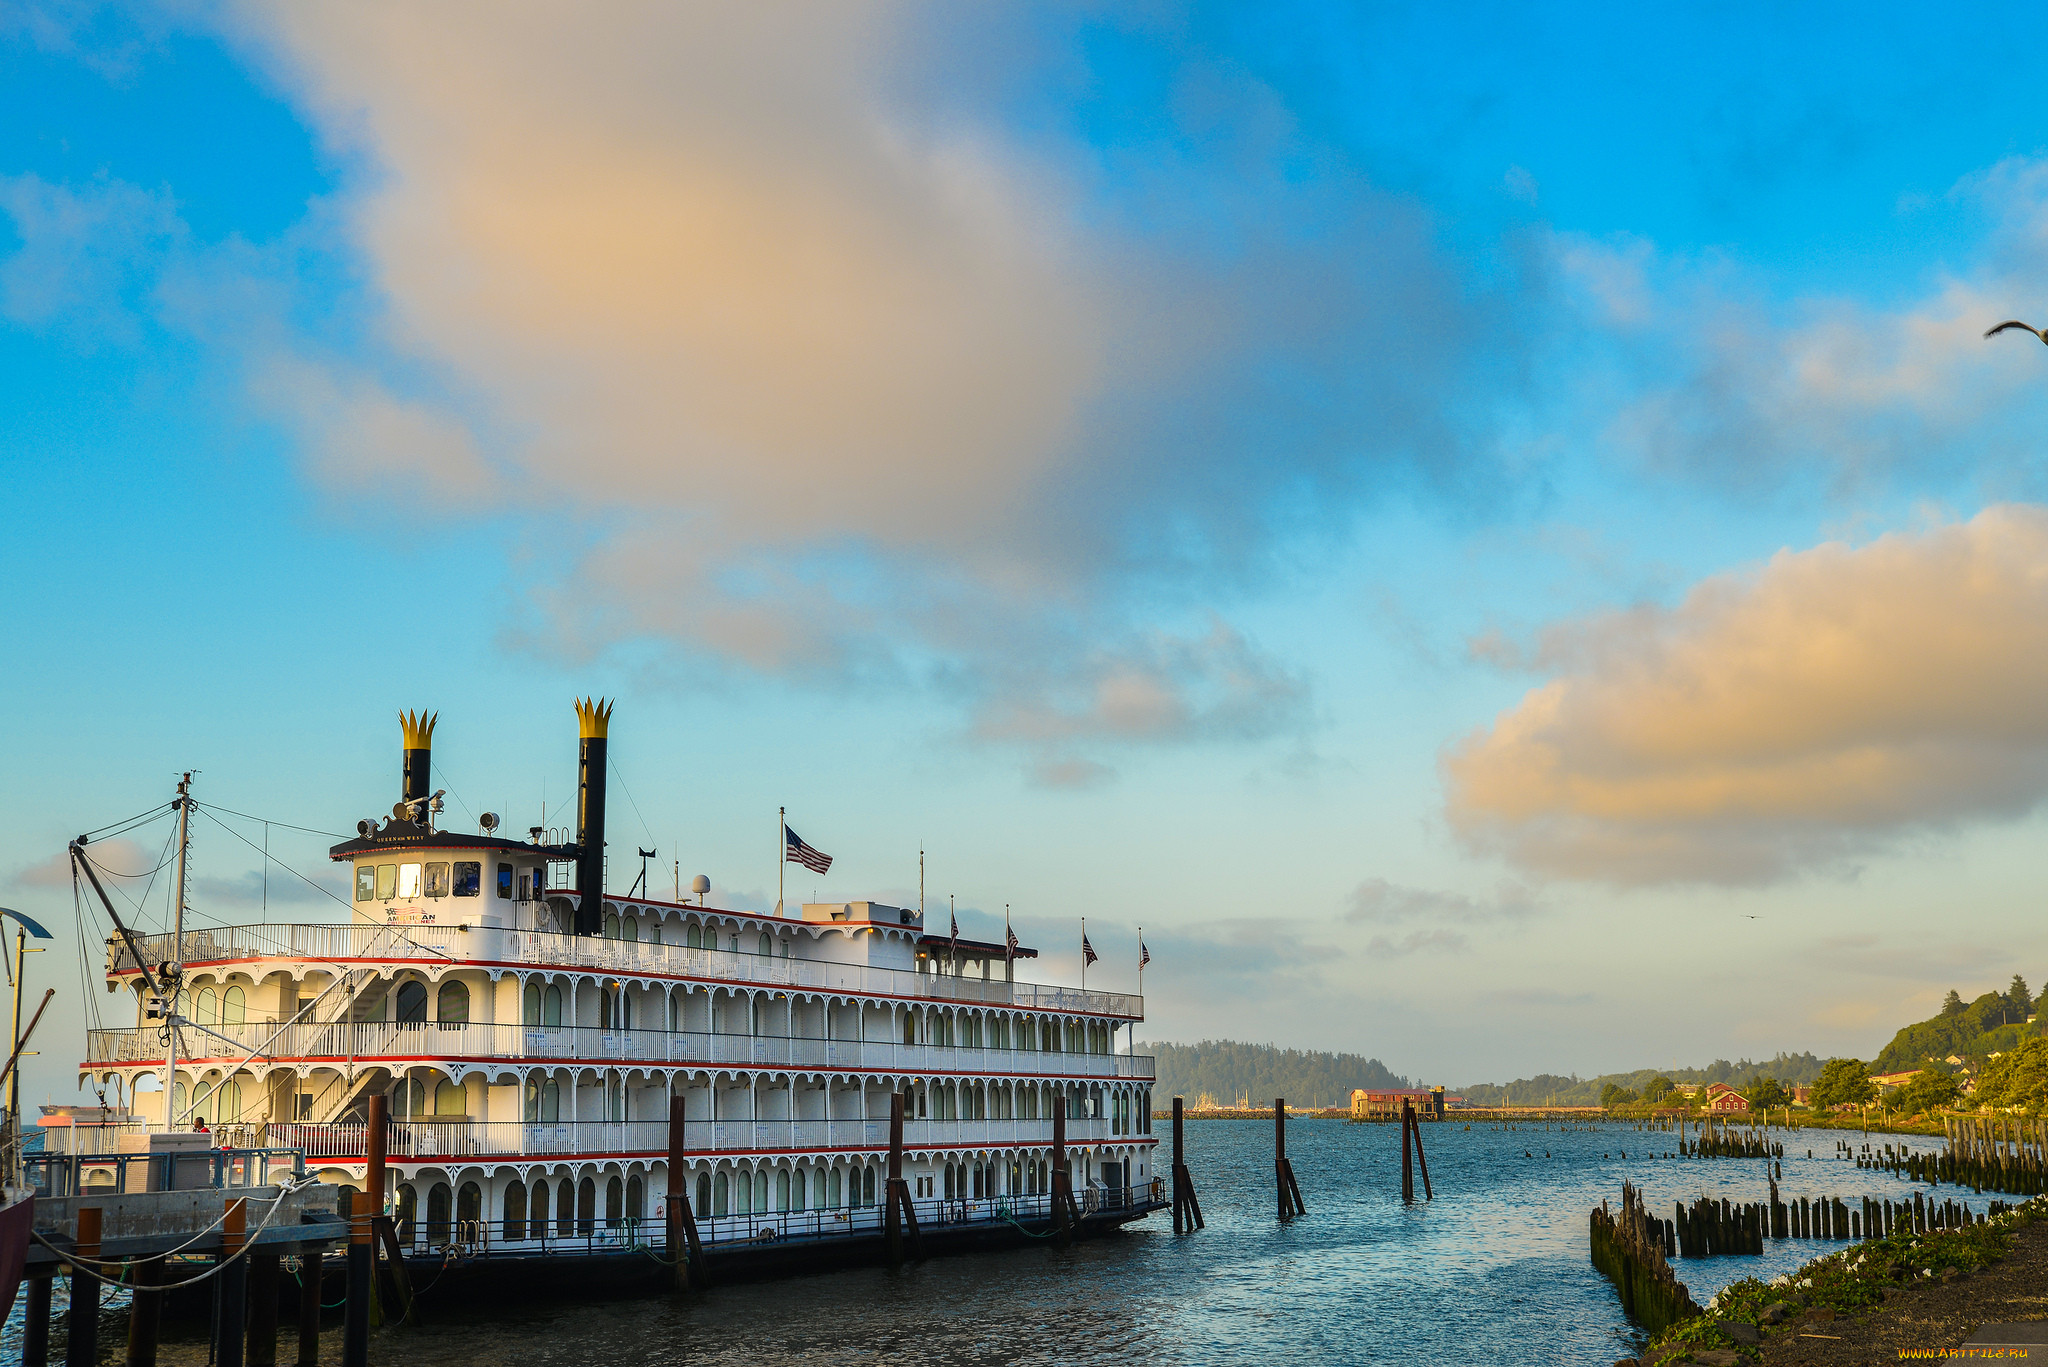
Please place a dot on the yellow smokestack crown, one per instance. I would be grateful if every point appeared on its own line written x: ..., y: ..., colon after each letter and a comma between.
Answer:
x: 593, y: 718
x: 419, y: 729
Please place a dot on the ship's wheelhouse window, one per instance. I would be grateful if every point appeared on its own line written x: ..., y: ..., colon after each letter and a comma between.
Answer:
x: 411, y: 1000
x: 234, y: 1007
x: 693, y: 937
x: 515, y: 1209
x: 469, y: 878
x: 450, y: 1099
x: 504, y: 882
x: 366, y: 882
x: 409, y: 880
x: 437, y: 880
x: 387, y: 882
x: 451, y: 1004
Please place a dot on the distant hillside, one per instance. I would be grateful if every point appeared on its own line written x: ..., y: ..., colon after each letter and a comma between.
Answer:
x: 1548, y: 1089
x: 1992, y: 1024
x: 1226, y: 1070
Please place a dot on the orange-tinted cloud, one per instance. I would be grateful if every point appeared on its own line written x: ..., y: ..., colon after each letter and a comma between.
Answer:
x: 1834, y: 699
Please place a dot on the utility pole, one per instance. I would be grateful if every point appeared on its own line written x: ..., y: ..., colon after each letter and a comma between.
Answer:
x: 18, y: 970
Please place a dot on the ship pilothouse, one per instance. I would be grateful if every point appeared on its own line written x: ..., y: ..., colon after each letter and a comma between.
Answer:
x: 530, y: 1029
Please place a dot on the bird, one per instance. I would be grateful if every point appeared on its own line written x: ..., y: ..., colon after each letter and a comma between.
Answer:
x: 2016, y: 323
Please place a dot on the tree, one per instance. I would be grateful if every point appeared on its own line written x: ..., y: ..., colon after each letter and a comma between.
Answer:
x: 2022, y: 1003
x: 1767, y: 1092
x: 1613, y: 1095
x: 1842, y: 1082
x: 1657, y: 1088
x: 1929, y: 1090
x: 2017, y: 1077
x: 1952, y: 1004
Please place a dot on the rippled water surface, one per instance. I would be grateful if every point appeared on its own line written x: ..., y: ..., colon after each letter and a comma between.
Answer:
x: 1493, y: 1271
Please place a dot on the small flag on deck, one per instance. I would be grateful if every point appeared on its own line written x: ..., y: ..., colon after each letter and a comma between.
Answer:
x: 1010, y: 938
x: 795, y: 851
x: 956, y: 939
x: 1087, y: 950
x: 1144, y: 954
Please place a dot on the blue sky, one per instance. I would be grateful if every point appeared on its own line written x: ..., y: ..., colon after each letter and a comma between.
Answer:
x: 1470, y: 528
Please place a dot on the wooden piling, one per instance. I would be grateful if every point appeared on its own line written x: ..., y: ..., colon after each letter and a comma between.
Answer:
x: 1407, y: 1163
x: 1066, y: 1213
x: 1422, y: 1159
x: 355, y: 1341
x: 684, y: 1250
x: 901, y: 1215
x: 264, y: 1269
x: 35, y: 1329
x: 82, y: 1325
x: 1187, y: 1207
x: 312, y: 1266
x: 145, y: 1311
x: 231, y: 1297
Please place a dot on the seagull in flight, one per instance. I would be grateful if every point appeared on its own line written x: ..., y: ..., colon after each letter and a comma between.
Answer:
x: 2016, y: 323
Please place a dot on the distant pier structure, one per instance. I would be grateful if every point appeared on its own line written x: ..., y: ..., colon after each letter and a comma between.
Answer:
x: 1429, y: 1103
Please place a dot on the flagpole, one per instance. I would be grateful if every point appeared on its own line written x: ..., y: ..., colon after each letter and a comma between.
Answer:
x: 781, y: 854
x: 920, y: 883
x: 1084, y: 953
x: 1133, y: 1049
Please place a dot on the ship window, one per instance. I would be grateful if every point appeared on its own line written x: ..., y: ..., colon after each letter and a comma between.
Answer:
x: 412, y: 1003
x: 201, y: 1100
x: 387, y: 882
x: 469, y: 1203
x: 693, y: 938
x: 438, y: 1212
x: 636, y: 1198
x: 531, y: 1014
x: 450, y: 1099
x: 207, y: 1011
x: 234, y: 1007
x: 586, y: 1205
x: 629, y: 929
x: 369, y: 1004
x: 505, y: 882
x: 469, y: 876
x: 867, y: 1193
x: 719, y: 1195
x: 551, y: 1008
x: 703, y: 1206
x: 408, y: 880
x: 437, y: 880
x: 408, y: 1212
x: 832, y: 1197
x: 451, y: 1004
x: 366, y: 882
x: 614, y: 1202
x: 409, y: 1098
x: 611, y: 926
x: 674, y: 1009
x: 565, y: 1208
x: 525, y: 887
x: 767, y: 947
x: 515, y: 1209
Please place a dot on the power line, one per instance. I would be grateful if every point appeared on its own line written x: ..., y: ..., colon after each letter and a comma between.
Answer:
x: 323, y: 891
x: 309, y: 830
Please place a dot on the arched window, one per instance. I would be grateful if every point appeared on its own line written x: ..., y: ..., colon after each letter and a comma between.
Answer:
x: 469, y: 1208
x: 703, y: 1207
x: 614, y: 1202
x: 951, y: 1183
x: 782, y: 1189
x: 234, y: 1007
x: 586, y: 1206
x: 408, y: 1099
x: 515, y: 1208
x: 767, y: 946
x: 721, y: 1194
x: 406, y: 1220
x: 629, y: 929
x: 867, y: 1188
x: 743, y: 1193
x: 551, y: 1008
x: 207, y: 1010
x: 202, y: 1103
x: 675, y: 1002
x: 438, y: 1213
x: 411, y: 999
x: 228, y: 1102
x: 796, y: 1197
x: 693, y: 936
x: 636, y: 1198
x: 451, y: 1004
x: 611, y: 925
x: 450, y: 1099
x: 909, y: 1027
x: 565, y: 1208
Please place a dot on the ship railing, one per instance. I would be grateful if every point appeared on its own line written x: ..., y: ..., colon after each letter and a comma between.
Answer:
x: 459, y: 1137
x: 81, y: 1173
x: 495, y: 944
x: 591, y: 1044
x: 546, y: 1235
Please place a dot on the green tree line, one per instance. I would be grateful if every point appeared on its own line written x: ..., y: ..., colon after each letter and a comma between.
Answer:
x: 1227, y: 1070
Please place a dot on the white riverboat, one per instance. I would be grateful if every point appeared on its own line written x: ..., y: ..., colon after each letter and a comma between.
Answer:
x: 530, y: 1030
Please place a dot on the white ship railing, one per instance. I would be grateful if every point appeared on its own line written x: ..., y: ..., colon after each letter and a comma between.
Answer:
x: 429, y: 1040
x: 492, y: 944
x: 411, y: 1140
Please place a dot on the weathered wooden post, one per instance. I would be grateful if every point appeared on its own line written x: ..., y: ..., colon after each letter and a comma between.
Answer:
x: 231, y: 1304
x: 83, y: 1323
x: 1187, y: 1209
x: 145, y: 1311
x: 35, y: 1329
x: 1421, y: 1159
x: 1065, y: 1212
x: 263, y: 1282
x: 362, y: 1251
x: 683, y: 1244
x: 312, y: 1265
x: 893, y: 1216
x: 1407, y: 1163
x: 1283, y: 1170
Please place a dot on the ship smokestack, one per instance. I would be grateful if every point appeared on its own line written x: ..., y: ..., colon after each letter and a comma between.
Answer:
x: 419, y: 754
x: 593, y: 719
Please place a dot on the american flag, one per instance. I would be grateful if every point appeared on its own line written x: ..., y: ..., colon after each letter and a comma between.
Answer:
x: 956, y: 932
x: 1010, y: 937
x: 1144, y: 954
x: 795, y: 851
x: 1087, y: 950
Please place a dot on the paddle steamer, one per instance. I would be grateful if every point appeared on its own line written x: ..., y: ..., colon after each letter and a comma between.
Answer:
x: 529, y: 1030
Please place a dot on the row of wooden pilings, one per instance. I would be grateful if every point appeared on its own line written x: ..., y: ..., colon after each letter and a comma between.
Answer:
x: 1711, y: 1228
x: 1718, y: 1140
x: 247, y: 1290
x: 1987, y: 1153
x: 1632, y: 1248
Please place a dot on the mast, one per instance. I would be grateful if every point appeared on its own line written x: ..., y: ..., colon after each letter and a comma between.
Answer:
x: 173, y: 969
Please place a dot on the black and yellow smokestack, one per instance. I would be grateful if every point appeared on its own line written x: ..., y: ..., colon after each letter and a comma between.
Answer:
x: 593, y: 719
x: 419, y: 753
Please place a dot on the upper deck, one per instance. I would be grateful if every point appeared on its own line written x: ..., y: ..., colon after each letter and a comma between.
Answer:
x: 438, y: 947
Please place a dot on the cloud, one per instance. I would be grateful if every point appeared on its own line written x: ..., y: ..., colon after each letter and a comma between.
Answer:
x: 1377, y: 902
x: 84, y: 252
x: 117, y: 860
x: 1832, y: 701
x: 249, y: 890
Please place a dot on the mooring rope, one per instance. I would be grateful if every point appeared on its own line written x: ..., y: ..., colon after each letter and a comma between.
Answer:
x: 87, y: 1265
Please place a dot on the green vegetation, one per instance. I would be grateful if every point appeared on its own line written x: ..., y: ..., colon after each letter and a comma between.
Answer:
x: 1994, y: 1023
x: 1225, y: 1070
x: 1766, y: 1093
x: 2018, y: 1077
x: 1928, y: 1091
x: 1612, y: 1095
x: 1843, y: 1082
x: 1648, y: 1084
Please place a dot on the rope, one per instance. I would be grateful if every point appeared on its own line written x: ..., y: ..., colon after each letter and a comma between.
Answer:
x: 79, y: 1264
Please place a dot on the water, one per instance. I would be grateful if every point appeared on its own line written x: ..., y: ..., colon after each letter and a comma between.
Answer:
x: 1495, y: 1270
